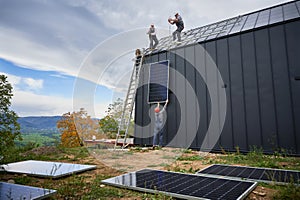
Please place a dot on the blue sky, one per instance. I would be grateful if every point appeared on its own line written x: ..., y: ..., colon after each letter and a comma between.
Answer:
x: 61, y: 55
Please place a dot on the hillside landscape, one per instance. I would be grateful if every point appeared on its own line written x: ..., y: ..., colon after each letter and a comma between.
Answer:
x: 39, y: 130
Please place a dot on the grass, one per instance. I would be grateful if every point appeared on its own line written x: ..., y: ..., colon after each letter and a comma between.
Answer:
x: 290, y: 191
x: 190, y: 158
x: 254, y: 158
x: 88, y: 185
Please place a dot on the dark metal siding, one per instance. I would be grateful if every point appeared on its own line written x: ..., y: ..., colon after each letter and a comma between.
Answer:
x: 237, y: 93
x: 251, y: 92
x: 259, y: 69
x: 224, y: 68
x: 293, y: 54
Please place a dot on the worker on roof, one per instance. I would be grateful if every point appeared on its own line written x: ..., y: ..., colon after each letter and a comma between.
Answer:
x: 152, y: 37
x: 180, y: 26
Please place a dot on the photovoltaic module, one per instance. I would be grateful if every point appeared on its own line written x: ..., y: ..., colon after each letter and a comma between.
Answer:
x: 252, y: 173
x: 158, y: 82
x: 186, y: 186
x: 46, y: 169
x: 10, y: 191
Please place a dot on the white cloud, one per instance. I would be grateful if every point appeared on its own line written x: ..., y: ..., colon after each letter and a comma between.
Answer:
x: 30, y: 104
x: 26, y: 102
x: 24, y: 83
x: 58, y: 35
x: 33, y: 84
x: 13, y: 80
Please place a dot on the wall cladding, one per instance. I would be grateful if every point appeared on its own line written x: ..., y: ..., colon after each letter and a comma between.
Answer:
x: 260, y: 68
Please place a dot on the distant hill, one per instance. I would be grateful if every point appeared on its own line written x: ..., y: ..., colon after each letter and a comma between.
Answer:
x: 40, y: 125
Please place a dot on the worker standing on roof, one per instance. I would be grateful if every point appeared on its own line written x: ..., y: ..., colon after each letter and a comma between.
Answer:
x: 180, y: 26
x: 152, y: 37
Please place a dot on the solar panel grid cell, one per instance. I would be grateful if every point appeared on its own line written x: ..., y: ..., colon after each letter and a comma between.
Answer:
x: 298, y: 6
x: 263, y: 18
x: 251, y: 21
x: 290, y: 11
x: 276, y: 15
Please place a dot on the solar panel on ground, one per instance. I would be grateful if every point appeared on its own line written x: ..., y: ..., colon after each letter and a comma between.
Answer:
x: 187, y: 186
x: 253, y: 173
x: 14, y: 191
x: 46, y: 169
x: 158, y: 82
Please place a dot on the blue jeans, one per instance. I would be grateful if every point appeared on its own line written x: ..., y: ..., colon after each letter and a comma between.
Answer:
x: 178, y: 33
x: 153, y: 38
x: 158, y: 134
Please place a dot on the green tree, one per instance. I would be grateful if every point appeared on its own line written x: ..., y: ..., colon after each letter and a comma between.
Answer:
x: 9, y: 127
x: 109, y: 123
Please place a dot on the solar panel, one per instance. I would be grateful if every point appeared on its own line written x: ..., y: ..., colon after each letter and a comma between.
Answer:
x: 269, y: 16
x: 46, y: 169
x: 158, y: 82
x: 253, y: 173
x: 10, y: 191
x: 187, y: 186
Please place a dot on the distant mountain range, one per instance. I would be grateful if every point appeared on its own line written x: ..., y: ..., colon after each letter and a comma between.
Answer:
x: 39, y: 125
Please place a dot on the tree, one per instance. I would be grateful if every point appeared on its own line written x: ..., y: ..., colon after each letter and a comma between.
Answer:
x: 9, y: 127
x: 75, y: 127
x: 115, y: 109
x: 109, y: 123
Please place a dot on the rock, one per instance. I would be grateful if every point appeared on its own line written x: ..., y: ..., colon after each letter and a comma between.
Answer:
x: 260, y: 193
x: 11, y: 181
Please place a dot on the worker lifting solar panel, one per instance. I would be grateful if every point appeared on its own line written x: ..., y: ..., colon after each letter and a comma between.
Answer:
x: 179, y: 185
x: 252, y: 173
x: 14, y: 191
x: 158, y: 82
x: 46, y: 169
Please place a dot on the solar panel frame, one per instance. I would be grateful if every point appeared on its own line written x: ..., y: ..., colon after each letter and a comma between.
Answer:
x: 160, y: 83
x: 55, y: 170
x: 171, y: 184
x: 258, y: 174
x: 15, y: 191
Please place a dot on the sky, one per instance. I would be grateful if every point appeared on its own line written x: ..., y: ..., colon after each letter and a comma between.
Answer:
x: 63, y: 55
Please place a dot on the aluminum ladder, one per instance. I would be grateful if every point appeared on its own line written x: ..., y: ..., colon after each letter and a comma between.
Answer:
x: 129, y: 103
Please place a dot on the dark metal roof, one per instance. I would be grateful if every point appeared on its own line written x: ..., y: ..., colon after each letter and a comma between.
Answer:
x: 257, y: 19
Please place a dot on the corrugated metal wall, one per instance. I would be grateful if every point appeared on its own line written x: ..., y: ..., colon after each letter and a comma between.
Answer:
x: 260, y: 68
